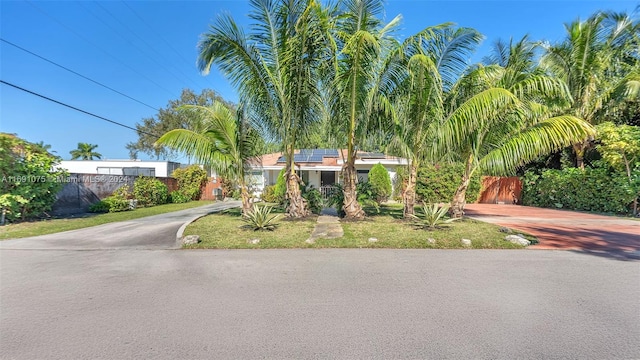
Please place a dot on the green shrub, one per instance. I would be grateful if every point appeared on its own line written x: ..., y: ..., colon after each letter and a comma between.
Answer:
x: 336, y: 199
x: 28, y: 185
x: 178, y: 197
x: 190, y: 182
x: 314, y: 199
x: 381, y: 182
x: 101, y: 206
x: 436, y: 184
x: 433, y: 215
x: 150, y: 191
x: 259, y: 218
x: 280, y: 188
x: 367, y: 195
x: 401, y: 174
x: 592, y: 189
x: 120, y: 200
x: 268, y: 194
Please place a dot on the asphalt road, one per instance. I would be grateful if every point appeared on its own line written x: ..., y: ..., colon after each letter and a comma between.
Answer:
x: 303, y: 304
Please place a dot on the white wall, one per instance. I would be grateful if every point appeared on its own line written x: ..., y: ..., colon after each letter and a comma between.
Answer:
x: 91, y: 166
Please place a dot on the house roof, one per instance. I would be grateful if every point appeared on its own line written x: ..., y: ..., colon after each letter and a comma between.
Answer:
x: 323, y: 158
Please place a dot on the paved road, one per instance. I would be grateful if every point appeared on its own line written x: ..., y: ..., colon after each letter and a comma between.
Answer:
x: 152, y: 232
x: 304, y: 304
x: 563, y: 229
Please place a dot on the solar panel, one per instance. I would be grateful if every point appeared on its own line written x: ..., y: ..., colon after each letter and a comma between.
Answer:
x: 371, y: 155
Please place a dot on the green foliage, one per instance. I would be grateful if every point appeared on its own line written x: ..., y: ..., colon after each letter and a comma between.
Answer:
x: 101, y: 206
x: 619, y: 145
x: 190, y: 182
x: 27, y: 184
x: 227, y: 186
x: 259, y: 218
x: 150, y: 191
x: 401, y: 175
x: 268, y: 194
x: 167, y: 119
x: 592, y: 189
x: 438, y: 184
x: 85, y: 152
x: 367, y: 195
x: 336, y: 199
x: 178, y: 197
x: 314, y: 199
x: 381, y: 182
x: 280, y: 188
x: 433, y: 215
x: 120, y: 200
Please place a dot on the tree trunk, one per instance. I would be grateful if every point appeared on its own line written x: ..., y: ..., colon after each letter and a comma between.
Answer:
x: 297, y: 207
x: 409, y: 193
x: 351, y: 207
x: 579, y: 149
x: 247, y: 206
x: 459, y: 201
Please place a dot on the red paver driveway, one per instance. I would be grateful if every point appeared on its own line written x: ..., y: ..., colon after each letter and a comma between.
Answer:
x: 562, y: 229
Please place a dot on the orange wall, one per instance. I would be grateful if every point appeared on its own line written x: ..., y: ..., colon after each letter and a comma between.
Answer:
x: 507, y: 190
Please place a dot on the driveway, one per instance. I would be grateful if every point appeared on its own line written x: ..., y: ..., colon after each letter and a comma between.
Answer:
x: 563, y: 229
x: 152, y: 232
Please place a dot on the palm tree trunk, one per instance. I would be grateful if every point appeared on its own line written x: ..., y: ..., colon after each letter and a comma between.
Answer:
x: 351, y: 206
x: 247, y: 206
x: 409, y: 193
x: 297, y: 207
x: 579, y: 149
x: 459, y: 198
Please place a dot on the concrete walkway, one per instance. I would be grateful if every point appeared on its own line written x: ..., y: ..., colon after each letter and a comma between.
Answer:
x: 563, y: 229
x: 328, y: 226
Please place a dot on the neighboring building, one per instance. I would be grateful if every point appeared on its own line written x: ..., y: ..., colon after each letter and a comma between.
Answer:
x: 320, y: 168
x: 120, y: 167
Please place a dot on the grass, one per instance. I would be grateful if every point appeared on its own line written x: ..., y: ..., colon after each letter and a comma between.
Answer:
x: 225, y: 231
x: 50, y: 226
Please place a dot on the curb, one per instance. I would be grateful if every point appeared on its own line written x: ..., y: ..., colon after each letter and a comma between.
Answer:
x: 183, y: 227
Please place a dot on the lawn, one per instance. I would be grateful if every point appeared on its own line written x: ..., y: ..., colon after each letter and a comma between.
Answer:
x: 50, y: 226
x: 225, y: 231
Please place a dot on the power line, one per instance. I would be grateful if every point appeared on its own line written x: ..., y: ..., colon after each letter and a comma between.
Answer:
x: 76, y: 73
x: 76, y: 109
x: 130, y: 31
x: 155, y: 32
x: 97, y: 47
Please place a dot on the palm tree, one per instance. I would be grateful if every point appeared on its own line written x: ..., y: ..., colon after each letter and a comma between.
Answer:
x: 599, y: 62
x: 503, y: 117
x: 364, y: 44
x: 437, y: 56
x: 275, y: 69
x: 85, y: 152
x: 220, y: 139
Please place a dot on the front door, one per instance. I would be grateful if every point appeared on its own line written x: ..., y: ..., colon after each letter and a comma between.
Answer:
x: 327, y: 178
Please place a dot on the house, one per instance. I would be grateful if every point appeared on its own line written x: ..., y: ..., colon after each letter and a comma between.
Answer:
x: 320, y: 168
x: 120, y: 167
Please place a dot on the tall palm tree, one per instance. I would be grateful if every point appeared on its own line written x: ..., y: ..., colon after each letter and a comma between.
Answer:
x: 503, y: 117
x: 599, y: 64
x: 220, y: 139
x: 275, y: 69
x: 434, y: 59
x: 363, y: 43
x: 85, y: 151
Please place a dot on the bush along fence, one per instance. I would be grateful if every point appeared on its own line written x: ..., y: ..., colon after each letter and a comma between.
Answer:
x: 592, y: 189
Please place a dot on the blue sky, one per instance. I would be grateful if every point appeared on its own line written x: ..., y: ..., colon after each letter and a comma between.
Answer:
x: 147, y: 50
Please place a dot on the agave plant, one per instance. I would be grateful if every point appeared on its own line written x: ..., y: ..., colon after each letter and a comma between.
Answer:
x: 433, y: 215
x: 259, y: 218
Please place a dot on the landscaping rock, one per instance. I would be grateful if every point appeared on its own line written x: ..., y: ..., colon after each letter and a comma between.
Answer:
x: 466, y: 242
x: 190, y: 240
x: 517, y: 239
x: 431, y: 241
x: 310, y: 241
x: 372, y: 240
x: 506, y: 230
x: 253, y: 241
